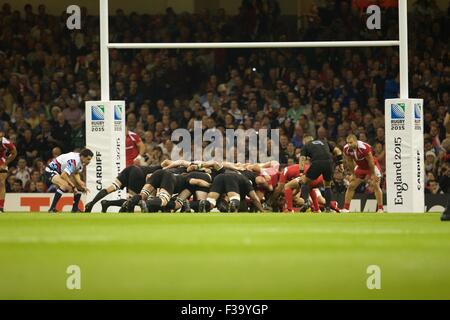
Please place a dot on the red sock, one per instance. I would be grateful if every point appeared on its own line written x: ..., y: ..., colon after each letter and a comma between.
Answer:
x: 288, y: 198
x: 347, y: 206
x: 380, y: 206
x: 2, y: 203
x: 315, y: 203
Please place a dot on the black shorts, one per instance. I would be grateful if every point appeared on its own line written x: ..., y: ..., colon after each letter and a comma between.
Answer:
x: 163, y: 179
x: 133, y: 178
x: 48, y: 176
x: 198, y: 175
x: 224, y: 183
x: 320, y: 167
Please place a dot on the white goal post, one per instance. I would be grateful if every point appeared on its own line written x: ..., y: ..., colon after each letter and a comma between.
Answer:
x: 409, y: 160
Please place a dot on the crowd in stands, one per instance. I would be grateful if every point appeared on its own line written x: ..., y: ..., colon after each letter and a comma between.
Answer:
x: 47, y: 72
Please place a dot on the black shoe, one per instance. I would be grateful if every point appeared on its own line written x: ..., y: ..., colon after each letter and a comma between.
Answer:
x: 186, y: 207
x: 305, y: 207
x: 233, y: 206
x: 204, y: 206
x: 124, y: 207
x: 76, y: 210
x: 1, y: 210
x: 445, y: 216
x: 105, y: 205
x: 52, y: 210
x: 88, y: 207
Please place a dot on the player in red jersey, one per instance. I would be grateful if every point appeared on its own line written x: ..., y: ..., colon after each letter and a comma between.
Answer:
x: 364, y: 165
x: 292, y: 188
x: 8, y: 153
x: 134, y: 147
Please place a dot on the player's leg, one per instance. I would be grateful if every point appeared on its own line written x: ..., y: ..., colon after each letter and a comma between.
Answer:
x: 314, y: 199
x: 154, y: 181
x: 288, y: 193
x: 116, y: 185
x: 235, y: 201
x: 3, y: 176
x: 314, y: 171
x: 160, y: 201
x: 375, y: 181
x: 166, y: 189
x: 356, y: 181
x: 217, y: 188
x: 63, y: 187
x: 328, y: 194
x: 304, y: 192
x: 327, y: 173
x: 178, y: 202
x: 76, y: 196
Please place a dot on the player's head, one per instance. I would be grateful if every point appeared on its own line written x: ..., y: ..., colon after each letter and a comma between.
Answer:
x: 307, y: 138
x: 86, y: 156
x: 352, y: 141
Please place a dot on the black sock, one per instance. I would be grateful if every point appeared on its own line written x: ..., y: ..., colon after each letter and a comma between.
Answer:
x: 328, y: 196
x: 100, y: 195
x: 56, y: 198
x: 194, y: 205
x: 76, y: 200
x: 305, y: 193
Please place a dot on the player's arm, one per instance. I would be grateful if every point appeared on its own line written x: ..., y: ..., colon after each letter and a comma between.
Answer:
x: 210, y: 164
x: 301, y: 163
x: 350, y: 164
x: 12, y: 154
x: 199, y: 183
x: 233, y: 166
x: 80, y: 183
x: 178, y: 163
x: 339, y: 158
x: 142, y: 148
x: 255, y: 199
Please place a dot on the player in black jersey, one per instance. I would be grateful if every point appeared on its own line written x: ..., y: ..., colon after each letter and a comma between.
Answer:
x: 132, y: 178
x: 320, y: 153
x: 198, y: 180
x: 235, y: 185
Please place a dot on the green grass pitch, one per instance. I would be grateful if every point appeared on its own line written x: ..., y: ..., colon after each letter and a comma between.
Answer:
x: 224, y: 256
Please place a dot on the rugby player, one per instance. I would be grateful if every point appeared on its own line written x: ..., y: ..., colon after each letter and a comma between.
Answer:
x: 364, y: 166
x: 8, y: 153
x: 320, y: 153
x: 64, y: 172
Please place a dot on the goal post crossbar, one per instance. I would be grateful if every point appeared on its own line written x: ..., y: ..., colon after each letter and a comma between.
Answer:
x: 244, y: 45
x: 105, y: 46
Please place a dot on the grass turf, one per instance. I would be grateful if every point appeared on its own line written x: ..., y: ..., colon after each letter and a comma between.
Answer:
x: 224, y: 256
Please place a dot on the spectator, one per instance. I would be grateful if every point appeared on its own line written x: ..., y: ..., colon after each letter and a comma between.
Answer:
x: 22, y: 173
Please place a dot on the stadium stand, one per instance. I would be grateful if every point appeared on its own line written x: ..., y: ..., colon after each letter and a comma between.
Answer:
x: 47, y: 73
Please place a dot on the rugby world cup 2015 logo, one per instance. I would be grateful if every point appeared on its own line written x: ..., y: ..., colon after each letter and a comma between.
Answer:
x: 417, y: 116
x: 98, y: 118
x: 118, y: 117
x: 398, y: 116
